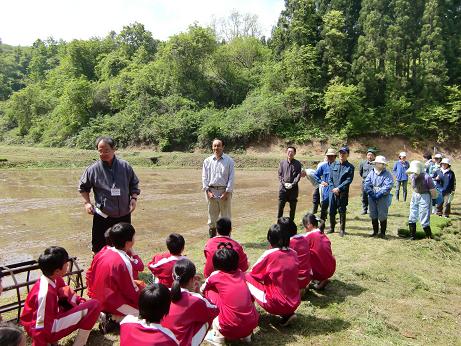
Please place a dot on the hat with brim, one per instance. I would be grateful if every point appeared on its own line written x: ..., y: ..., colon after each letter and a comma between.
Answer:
x: 331, y: 152
x: 416, y: 167
x: 380, y: 159
x: 446, y: 161
x: 403, y: 154
x: 371, y: 150
x: 437, y: 156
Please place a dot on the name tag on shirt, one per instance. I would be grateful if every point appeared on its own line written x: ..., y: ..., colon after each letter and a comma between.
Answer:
x: 114, y: 191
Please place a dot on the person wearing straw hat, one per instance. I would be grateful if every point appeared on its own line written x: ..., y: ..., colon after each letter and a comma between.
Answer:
x: 323, y: 173
x: 340, y: 178
x: 378, y: 185
x: 423, y: 193
x: 446, y: 183
x: 366, y: 166
x: 401, y: 177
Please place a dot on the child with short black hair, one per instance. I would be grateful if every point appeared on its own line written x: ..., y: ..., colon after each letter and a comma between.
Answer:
x: 300, y: 244
x: 224, y: 229
x: 227, y: 289
x: 145, y: 330
x: 52, y: 309
x: 162, y: 264
x: 191, y: 315
x: 271, y: 279
x: 322, y: 259
x: 11, y: 335
x: 113, y: 282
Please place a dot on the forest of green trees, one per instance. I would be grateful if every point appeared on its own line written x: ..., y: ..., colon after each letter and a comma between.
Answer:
x: 332, y: 69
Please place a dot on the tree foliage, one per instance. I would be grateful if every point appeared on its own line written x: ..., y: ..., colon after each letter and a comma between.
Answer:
x: 332, y: 68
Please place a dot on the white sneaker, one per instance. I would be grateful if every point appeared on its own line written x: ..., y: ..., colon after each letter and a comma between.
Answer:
x: 214, y: 339
x: 246, y: 339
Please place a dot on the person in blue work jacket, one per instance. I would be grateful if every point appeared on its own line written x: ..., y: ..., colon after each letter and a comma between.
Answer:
x: 401, y: 177
x: 366, y: 166
x: 378, y: 185
x: 341, y: 176
x: 446, y: 183
x: 322, y: 173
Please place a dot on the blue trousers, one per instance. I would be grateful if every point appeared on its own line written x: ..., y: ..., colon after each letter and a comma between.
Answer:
x: 338, y: 203
x: 378, y: 208
x: 420, y: 209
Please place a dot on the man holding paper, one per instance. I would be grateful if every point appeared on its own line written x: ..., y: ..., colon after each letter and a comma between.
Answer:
x: 115, y: 188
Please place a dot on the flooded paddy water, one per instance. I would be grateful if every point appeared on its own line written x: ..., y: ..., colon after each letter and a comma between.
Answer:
x: 42, y: 207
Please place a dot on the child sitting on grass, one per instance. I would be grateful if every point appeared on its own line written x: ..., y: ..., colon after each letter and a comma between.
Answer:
x: 190, y: 314
x: 113, y: 282
x: 299, y: 243
x: 145, y: 330
x: 52, y: 309
x: 224, y: 229
x: 162, y: 264
x: 226, y: 288
x: 271, y: 279
x: 322, y: 259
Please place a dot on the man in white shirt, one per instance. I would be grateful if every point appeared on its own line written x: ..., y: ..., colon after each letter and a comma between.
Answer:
x: 218, y: 184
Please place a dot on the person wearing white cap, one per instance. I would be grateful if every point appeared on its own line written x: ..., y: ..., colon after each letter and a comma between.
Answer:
x: 323, y: 173
x: 432, y: 168
x: 401, y: 177
x: 378, y: 185
x: 446, y: 183
x: 420, y: 205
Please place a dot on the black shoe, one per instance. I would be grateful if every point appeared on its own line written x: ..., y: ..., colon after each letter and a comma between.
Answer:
x: 428, y: 232
x: 107, y: 324
x: 287, y: 319
x: 375, y: 224
x: 212, y: 232
x: 412, y: 228
x: 383, y: 223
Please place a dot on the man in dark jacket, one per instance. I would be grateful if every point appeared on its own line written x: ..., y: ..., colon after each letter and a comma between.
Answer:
x: 341, y: 176
x: 446, y: 184
x: 289, y: 175
x: 365, y: 167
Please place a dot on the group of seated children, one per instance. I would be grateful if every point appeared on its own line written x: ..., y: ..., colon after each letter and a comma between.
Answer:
x: 176, y: 309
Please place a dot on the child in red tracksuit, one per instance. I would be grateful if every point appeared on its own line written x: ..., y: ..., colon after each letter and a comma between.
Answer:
x: 226, y: 288
x: 52, y: 309
x: 162, y: 264
x: 299, y: 243
x: 113, y: 282
x: 323, y: 261
x: 146, y: 330
x: 224, y: 228
x: 271, y: 279
x: 191, y: 315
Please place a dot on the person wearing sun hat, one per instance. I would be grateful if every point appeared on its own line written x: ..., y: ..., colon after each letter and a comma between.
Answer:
x: 322, y: 173
x: 339, y: 180
x: 423, y: 193
x: 401, y: 177
x: 446, y: 183
x: 378, y: 185
x: 366, y: 166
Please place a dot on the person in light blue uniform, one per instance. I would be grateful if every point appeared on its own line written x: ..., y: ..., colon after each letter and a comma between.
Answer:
x: 401, y: 177
x: 323, y: 174
x: 423, y: 193
x: 378, y: 185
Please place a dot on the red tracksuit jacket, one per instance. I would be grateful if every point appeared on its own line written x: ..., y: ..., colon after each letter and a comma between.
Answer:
x: 300, y: 244
x: 136, y: 332
x: 322, y: 259
x: 161, y: 267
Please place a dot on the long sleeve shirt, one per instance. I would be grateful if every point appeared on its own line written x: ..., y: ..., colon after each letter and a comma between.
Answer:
x: 365, y: 168
x: 341, y: 176
x: 381, y: 183
x: 102, y: 178
x: 289, y: 172
x: 400, y: 170
x: 446, y: 183
x: 218, y: 172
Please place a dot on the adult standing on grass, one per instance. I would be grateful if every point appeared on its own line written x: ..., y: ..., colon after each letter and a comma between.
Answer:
x: 341, y: 176
x: 423, y: 193
x: 323, y: 173
x: 401, y: 177
x: 289, y: 174
x: 218, y: 184
x: 366, y: 166
x: 378, y: 185
x: 115, y: 188
x: 446, y: 184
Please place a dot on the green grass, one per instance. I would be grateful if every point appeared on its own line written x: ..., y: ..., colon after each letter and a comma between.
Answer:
x: 384, y: 292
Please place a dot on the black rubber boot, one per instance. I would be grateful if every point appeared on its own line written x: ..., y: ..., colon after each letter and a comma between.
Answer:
x: 375, y: 224
x: 332, y: 224
x: 342, y: 222
x: 315, y: 208
x: 428, y: 232
x: 212, y: 232
x: 412, y: 228
x: 383, y: 229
